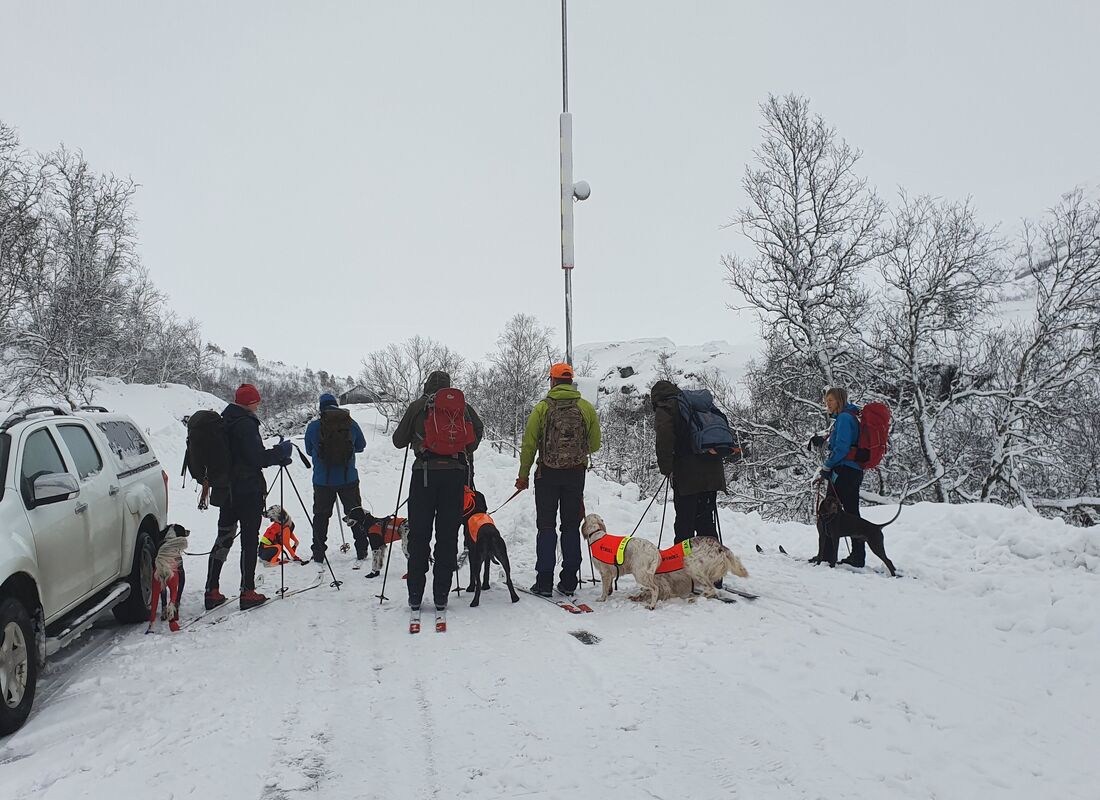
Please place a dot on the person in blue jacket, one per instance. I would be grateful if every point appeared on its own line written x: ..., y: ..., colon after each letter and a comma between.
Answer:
x: 842, y: 472
x: 332, y: 440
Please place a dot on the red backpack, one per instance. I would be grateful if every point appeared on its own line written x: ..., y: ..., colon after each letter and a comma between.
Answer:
x: 447, y: 432
x: 874, y: 431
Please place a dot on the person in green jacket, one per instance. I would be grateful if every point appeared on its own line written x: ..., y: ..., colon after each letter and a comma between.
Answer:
x: 564, y: 430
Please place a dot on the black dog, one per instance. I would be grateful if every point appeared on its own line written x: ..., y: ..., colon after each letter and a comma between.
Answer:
x: 485, y: 544
x: 833, y: 522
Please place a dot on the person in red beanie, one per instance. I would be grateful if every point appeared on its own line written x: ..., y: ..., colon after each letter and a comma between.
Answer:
x: 247, y: 489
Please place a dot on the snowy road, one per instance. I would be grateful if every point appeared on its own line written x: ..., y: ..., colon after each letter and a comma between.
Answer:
x: 972, y: 676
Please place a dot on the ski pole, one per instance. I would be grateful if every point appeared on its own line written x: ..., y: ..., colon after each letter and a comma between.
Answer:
x: 344, y: 546
x: 382, y: 597
x: 664, y: 510
x: 335, y: 583
x: 282, y: 537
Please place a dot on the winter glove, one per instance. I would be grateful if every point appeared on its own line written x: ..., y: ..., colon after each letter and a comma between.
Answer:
x: 284, y: 451
x: 815, y: 442
x: 521, y: 484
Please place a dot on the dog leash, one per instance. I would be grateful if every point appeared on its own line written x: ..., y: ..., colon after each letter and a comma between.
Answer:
x: 515, y: 494
x: 651, y: 502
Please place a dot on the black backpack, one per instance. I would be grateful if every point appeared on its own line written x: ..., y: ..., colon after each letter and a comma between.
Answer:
x: 335, y: 447
x: 208, y: 459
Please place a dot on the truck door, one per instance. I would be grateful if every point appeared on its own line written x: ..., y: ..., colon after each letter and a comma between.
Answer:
x: 58, y: 528
x: 100, y: 488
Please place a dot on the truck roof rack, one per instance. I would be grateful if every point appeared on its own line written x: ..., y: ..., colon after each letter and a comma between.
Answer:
x: 97, y: 409
x: 26, y: 413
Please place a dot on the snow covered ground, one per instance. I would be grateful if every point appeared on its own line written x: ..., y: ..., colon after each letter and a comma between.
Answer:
x: 973, y: 676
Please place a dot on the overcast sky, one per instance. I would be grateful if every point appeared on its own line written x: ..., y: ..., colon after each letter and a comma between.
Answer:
x: 319, y: 179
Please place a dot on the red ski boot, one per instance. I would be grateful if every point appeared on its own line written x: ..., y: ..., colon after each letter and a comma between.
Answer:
x: 250, y: 598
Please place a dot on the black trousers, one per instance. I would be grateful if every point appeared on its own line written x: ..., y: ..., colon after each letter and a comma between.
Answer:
x: 558, y: 490
x: 435, y: 497
x: 694, y: 514
x: 244, y: 509
x: 323, y: 499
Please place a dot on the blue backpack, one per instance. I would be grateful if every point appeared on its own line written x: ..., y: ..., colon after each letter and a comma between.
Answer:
x: 707, y: 427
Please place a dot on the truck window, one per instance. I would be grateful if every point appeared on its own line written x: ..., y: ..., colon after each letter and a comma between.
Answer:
x: 40, y: 457
x: 83, y: 450
x: 125, y: 438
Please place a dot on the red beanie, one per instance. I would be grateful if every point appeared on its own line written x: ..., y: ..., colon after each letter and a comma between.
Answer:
x: 246, y: 395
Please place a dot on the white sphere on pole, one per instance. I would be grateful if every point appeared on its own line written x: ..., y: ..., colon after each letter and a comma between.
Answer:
x: 581, y: 190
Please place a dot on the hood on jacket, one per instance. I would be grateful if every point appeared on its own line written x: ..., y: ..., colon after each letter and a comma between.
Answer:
x: 564, y: 391
x: 663, y: 390
x: 328, y: 401
x: 436, y: 381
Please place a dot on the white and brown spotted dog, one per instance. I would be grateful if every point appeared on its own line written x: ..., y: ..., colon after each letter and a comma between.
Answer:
x: 705, y: 562
x: 639, y: 557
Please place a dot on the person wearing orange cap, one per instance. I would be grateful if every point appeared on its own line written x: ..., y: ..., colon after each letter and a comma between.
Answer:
x: 564, y: 430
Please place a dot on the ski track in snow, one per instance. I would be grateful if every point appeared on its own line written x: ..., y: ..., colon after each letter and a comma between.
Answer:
x: 973, y: 676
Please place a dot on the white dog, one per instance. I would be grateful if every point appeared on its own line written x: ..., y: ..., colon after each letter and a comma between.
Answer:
x: 617, y: 554
x: 705, y: 561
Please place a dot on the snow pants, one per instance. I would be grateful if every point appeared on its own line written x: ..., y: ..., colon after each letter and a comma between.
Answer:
x: 435, y: 497
x: 244, y: 509
x: 558, y: 490
x: 694, y: 514
x: 324, y: 497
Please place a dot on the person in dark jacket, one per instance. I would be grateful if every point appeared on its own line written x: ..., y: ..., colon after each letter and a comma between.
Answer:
x: 695, y: 480
x: 245, y: 503
x: 334, y: 480
x: 844, y: 474
x: 435, y: 493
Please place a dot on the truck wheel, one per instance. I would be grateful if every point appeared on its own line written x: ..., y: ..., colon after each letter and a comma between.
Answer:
x: 18, y: 665
x: 136, y: 607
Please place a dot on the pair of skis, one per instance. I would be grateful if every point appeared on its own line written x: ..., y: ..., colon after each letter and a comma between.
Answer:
x: 562, y: 602
x: 440, y: 621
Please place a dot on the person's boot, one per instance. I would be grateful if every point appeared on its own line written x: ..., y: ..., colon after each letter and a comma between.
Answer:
x: 250, y: 598
x: 853, y: 561
x: 213, y: 598
x: 542, y: 586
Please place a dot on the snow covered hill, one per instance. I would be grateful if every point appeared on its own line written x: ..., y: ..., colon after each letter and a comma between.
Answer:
x: 974, y: 675
x: 633, y: 366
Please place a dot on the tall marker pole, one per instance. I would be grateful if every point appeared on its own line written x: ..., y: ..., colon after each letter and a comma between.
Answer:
x: 565, y: 130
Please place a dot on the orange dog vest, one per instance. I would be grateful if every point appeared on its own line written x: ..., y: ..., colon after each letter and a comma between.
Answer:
x: 610, y: 549
x: 672, y: 559
x: 475, y: 522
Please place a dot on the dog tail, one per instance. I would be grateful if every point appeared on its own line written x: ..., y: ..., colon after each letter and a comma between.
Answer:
x: 901, y: 504
x: 735, y: 566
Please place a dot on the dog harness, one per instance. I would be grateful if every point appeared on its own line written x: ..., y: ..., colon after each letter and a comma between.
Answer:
x: 672, y: 559
x: 475, y: 522
x: 610, y: 549
x: 274, y: 542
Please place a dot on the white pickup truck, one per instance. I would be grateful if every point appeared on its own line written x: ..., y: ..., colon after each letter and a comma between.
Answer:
x: 83, y: 502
